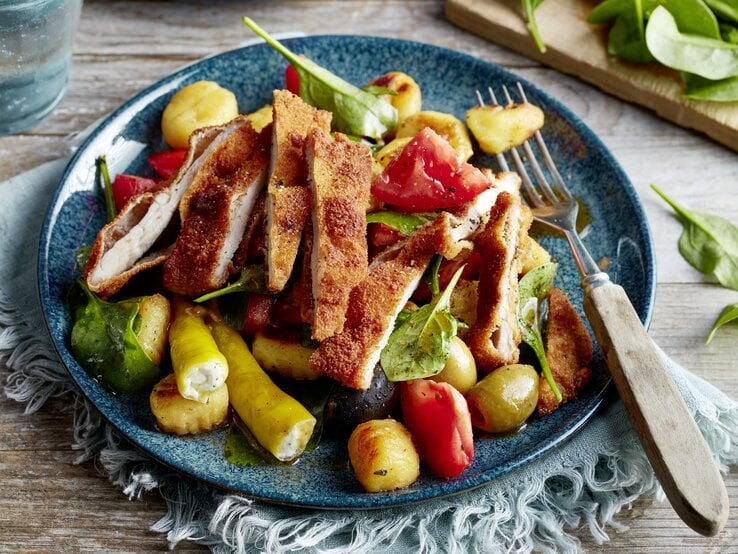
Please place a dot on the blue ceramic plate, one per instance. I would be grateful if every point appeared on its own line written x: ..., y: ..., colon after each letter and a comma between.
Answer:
x: 323, y: 478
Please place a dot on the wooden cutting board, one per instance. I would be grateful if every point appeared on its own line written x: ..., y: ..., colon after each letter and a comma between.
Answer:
x: 575, y: 47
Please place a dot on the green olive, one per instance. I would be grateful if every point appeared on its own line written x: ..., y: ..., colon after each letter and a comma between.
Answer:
x: 504, y: 399
x: 460, y: 370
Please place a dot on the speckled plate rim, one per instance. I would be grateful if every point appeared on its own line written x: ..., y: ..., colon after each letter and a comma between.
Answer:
x: 572, y: 417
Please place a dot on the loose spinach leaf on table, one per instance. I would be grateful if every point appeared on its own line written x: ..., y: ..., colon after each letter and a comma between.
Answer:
x: 709, y: 243
x: 532, y: 288
x: 355, y: 111
x: 420, y: 346
x: 728, y: 315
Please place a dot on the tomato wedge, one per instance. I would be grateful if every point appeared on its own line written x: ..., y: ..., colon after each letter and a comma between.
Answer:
x: 439, y: 420
x: 427, y: 175
x: 126, y: 187
x: 167, y: 163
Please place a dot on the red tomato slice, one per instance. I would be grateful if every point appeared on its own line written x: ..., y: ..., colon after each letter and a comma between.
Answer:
x: 427, y: 175
x: 292, y: 80
x: 379, y: 236
x: 167, y: 163
x: 438, y: 418
x: 258, y: 312
x: 126, y: 187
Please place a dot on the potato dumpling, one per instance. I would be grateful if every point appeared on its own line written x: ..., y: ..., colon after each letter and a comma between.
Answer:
x: 383, y: 455
x: 460, y: 370
x: 497, y: 128
x: 284, y: 355
x: 180, y: 416
x: 200, y: 104
x: 445, y: 124
x: 261, y: 117
x: 154, y: 314
x: 391, y: 150
x: 531, y: 254
x: 408, y: 99
x: 504, y: 399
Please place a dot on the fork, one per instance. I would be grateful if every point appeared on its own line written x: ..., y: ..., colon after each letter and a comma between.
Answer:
x: 678, y: 452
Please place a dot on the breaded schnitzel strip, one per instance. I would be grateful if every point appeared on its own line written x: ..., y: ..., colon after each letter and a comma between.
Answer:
x: 339, y: 173
x: 495, y: 335
x: 288, y: 198
x: 568, y: 350
x: 351, y: 356
x: 218, y: 206
x: 120, y: 246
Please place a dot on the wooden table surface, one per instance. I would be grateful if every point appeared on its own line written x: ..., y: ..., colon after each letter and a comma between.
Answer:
x: 50, y: 505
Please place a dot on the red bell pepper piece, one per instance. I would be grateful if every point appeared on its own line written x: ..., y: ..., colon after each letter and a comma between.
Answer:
x: 258, y: 312
x: 427, y: 176
x: 438, y: 419
x: 292, y: 80
x: 167, y: 163
x: 126, y: 187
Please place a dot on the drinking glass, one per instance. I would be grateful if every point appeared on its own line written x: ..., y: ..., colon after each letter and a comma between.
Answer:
x: 36, y: 39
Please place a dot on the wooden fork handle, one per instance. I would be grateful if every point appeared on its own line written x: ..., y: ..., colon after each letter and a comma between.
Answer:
x: 673, y: 443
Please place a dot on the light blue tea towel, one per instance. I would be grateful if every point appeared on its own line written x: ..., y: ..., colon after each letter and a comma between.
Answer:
x: 582, y: 484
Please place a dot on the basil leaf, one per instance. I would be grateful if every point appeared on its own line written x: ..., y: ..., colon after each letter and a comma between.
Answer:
x: 729, y: 314
x: 532, y: 288
x: 709, y: 243
x: 699, y: 88
x: 421, y: 345
x: 251, y: 280
x: 104, y: 342
x: 707, y: 57
x: 355, y: 112
x: 405, y: 223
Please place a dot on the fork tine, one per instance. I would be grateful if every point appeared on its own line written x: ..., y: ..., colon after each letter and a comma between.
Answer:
x: 559, y: 182
x: 528, y: 187
x: 500, y: 158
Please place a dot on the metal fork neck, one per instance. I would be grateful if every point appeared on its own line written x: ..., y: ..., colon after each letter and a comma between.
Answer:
x: 592, y: 275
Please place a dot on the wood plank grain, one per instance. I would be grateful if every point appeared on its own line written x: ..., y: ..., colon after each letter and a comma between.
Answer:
x: 576, y: 48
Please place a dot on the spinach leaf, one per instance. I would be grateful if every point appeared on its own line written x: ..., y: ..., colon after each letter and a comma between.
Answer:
x: 725, y: 9
x: 105, y: 344
x: 379, y: 91
x: 709, y: 243
x: 707, y: 57
x: 728, y: 315
x: 355, y: 112
x: 243, y: 450
x: 699, y: 88
x: 626, y: 39
x: 531, y: 290
x: 405, y: 223
x: 250, y: 280
x: 421, y: 345
x: 529, y: 7
x: 729, y: 33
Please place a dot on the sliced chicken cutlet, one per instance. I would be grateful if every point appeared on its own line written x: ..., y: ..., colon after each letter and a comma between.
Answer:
x: 495, y: 336
x: 216, y: 211
x: 339, y: 173
x: 351, y: 356
x: 121, y: 248
x: 288, y: 198
x: 568, y: 350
